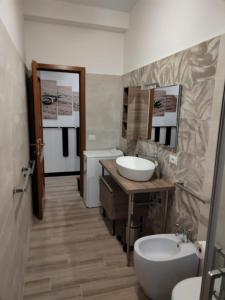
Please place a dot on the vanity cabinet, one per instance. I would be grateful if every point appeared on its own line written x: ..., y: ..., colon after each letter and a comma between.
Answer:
x: 137, y: 113
x: 115, y: 201
x: 134, y: 190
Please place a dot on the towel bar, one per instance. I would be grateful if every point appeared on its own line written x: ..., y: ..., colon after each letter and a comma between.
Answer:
x: 181, y: 186
x: 26, y: 173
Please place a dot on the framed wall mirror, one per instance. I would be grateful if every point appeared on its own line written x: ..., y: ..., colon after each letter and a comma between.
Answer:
x: 165, y: 115
x: 152, y: 113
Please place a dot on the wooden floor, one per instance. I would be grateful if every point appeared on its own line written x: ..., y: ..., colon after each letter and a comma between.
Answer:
x: 72, y: 255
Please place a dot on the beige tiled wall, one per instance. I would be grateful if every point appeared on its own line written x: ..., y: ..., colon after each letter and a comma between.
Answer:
x: 199, y: 71
x: 103, y: 110
x: 15, y: 213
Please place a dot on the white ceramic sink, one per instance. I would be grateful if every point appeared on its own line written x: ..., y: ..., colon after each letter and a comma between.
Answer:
x: 135, y: 168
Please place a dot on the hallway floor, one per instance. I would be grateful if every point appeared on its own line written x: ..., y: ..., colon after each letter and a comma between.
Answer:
x: 72, y: 255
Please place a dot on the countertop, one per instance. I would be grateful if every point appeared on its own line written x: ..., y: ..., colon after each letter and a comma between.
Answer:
x: 134, y: 187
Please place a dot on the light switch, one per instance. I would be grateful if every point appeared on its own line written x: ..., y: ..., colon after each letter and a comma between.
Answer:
x: 173, y: 160
x: 92, y: 137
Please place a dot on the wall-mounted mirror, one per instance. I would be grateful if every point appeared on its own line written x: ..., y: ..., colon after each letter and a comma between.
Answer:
x: 151, y: 113
x: 165, y: 115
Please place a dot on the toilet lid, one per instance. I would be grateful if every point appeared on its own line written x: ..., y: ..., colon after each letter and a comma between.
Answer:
x: 188, y: 289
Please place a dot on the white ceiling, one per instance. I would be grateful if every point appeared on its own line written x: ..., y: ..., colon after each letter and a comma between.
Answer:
x: 119, y: 5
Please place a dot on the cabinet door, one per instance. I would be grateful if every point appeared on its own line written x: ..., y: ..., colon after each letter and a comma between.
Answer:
x: 145, y: 109
x: 139, y: 119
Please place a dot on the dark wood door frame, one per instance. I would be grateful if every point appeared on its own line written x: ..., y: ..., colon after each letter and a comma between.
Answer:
x: 36, y: 146
x: 81, y: 72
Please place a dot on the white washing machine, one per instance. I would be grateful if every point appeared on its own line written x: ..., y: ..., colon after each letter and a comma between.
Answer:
x: 92, y: 172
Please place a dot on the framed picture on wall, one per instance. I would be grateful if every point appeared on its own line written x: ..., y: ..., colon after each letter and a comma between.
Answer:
x: 65, y: 100
x: 49, y: 99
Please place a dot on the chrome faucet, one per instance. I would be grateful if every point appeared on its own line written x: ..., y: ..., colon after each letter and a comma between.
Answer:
x: 183, y: 234
x: 154, y: 158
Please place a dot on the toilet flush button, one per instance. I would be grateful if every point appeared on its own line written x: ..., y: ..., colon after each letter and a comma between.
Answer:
x: 173, y: 160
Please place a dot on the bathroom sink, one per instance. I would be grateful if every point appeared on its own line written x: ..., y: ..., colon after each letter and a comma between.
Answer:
x: 135, y: 168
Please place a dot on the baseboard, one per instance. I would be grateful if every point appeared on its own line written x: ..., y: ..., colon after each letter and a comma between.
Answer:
x: 54, y: 174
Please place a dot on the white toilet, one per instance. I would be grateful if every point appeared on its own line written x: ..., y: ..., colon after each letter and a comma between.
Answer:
x: 188, y: 289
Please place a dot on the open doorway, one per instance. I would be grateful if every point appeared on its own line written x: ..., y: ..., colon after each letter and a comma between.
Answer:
x: 58, y: 119
x: 61, y: 122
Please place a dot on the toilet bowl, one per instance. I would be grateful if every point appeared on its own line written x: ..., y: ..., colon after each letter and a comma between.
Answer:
x: 188, y: 289
x: 161, y: 261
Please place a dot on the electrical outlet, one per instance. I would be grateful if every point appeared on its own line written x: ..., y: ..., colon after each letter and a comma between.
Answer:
x: 173, y: 160
x: 92, y: 137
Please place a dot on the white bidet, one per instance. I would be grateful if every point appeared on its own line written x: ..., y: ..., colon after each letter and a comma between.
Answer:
x: 161, y: 261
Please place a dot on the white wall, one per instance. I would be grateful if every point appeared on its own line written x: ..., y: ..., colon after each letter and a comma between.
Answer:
x: 159, y: 28
x: 15, y: 211
x: 63, y: 12
x: 101, y: 52
x: 12, y: 17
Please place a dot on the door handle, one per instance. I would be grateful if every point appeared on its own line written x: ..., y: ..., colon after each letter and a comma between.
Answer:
x: 106, y: 184
x: 38, y: 146
x: 213, y: 275
x: 35, y: 145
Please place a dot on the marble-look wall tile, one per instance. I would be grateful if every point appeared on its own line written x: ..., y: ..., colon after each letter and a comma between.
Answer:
x: 195, y: 106
x: 196, y: 70
x: 203, y: 221
x: 15, y: 212
x: 218, y: 93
